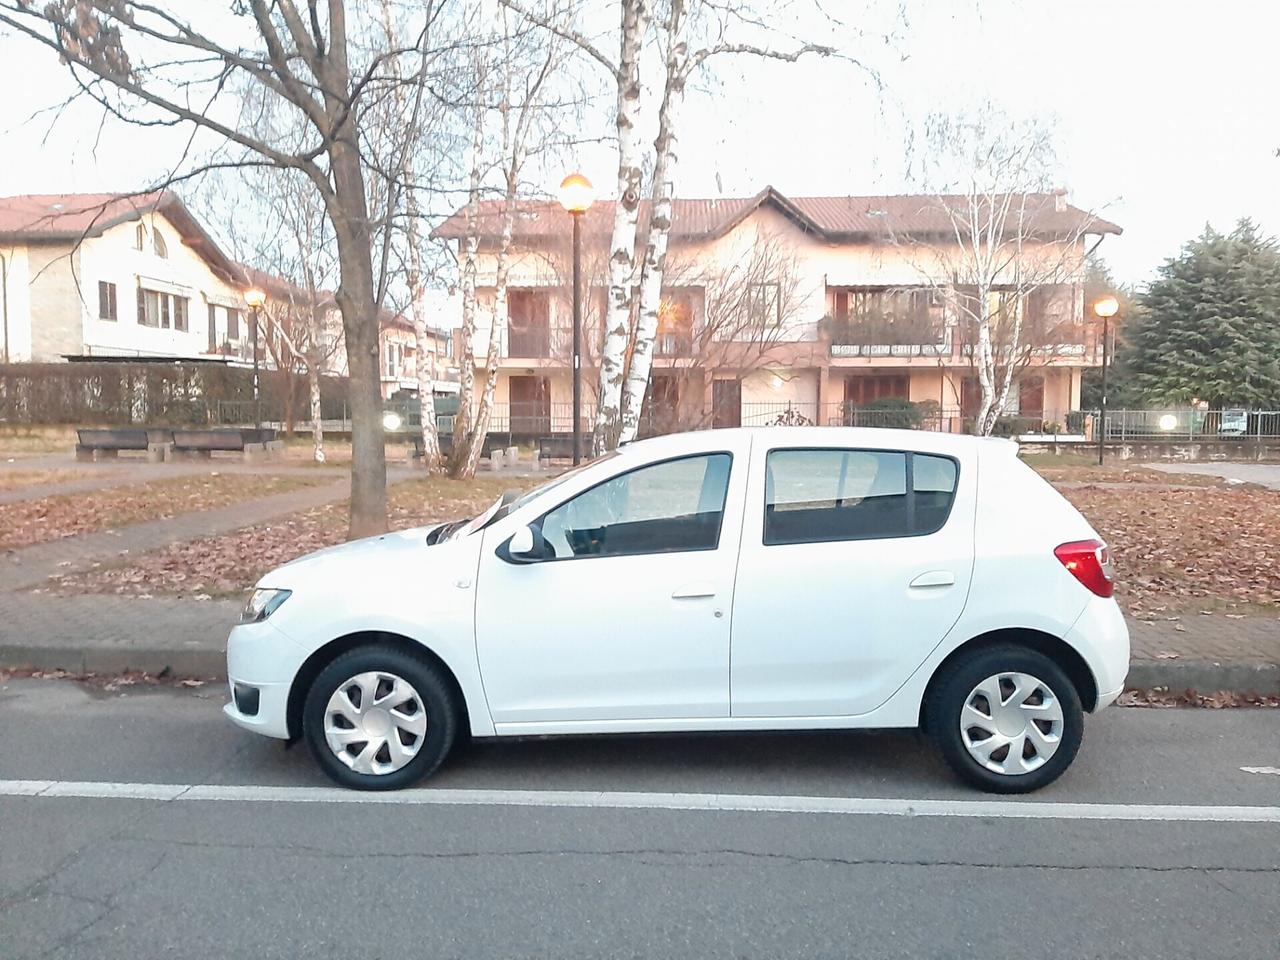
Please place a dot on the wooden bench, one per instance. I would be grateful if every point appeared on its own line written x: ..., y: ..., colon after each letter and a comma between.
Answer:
x: 253, y: 443
x: 105, y: 443
x: 559, y: 448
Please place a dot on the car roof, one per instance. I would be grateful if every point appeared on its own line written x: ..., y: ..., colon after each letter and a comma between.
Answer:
x: 957, y: 445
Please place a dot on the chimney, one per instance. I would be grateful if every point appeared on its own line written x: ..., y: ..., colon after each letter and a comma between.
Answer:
x: 1060, y: 200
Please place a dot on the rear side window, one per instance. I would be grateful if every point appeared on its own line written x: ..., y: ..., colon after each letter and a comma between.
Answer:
x: 816, y: 496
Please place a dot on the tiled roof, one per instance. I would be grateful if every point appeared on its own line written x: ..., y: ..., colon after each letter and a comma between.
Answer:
x: 71, y: 217
x: 831, y: 218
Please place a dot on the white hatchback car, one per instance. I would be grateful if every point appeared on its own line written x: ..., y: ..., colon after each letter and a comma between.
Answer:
x: 785, y: 578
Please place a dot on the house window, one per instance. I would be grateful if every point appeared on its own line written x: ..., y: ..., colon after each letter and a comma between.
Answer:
x: 765, y: 305
x: 233, y: 324
x: 107, y: 301
x: 158, y: 245
x: 139, y: 235
x: 164, y: 310
x: 880, y: 315
x: 394, y: 354
x: 528, y: 323
x: 213, y: 329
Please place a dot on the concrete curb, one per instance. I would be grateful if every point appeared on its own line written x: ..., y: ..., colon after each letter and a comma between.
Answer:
x: 210, y: 664
x: 1205, y: 676
x: 206, y: 664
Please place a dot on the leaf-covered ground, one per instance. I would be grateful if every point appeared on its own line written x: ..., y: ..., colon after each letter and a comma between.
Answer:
x: 1184, y: 550
x: 28, y: 522
x: 1176, y: 550
x: 228, y: 564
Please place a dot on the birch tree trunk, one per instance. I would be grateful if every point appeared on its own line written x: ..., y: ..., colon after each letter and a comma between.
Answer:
x: 664, y: 173
x: 462, y: 421
x: 417, y: 299
x: 613, y: 352
x: 317, y: 425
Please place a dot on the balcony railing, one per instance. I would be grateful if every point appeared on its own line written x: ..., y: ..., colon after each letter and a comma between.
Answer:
x: 674, y: 345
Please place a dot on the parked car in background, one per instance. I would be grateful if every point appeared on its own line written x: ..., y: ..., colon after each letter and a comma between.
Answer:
x: 786, y: 578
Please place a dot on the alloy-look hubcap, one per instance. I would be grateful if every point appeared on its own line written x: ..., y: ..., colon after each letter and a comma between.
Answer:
x: 1011, y: 723
x: 375, y: 723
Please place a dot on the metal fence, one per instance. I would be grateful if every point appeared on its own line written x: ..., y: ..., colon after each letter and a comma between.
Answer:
x: 1188, y: 424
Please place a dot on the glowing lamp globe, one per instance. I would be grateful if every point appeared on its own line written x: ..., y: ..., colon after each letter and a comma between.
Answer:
x: 1107, y: 307
x: 254, y: 297
x: 576, y: 193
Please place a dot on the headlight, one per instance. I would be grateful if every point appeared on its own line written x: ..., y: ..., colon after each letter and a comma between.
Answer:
x: 262, y: 604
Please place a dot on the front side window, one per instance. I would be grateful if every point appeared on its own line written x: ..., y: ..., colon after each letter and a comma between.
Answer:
x: 158, y: 245
x: 816, y: 496
x: 676, y: 505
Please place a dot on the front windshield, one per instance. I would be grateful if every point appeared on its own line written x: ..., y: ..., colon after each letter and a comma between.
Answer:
x: 503, y: 506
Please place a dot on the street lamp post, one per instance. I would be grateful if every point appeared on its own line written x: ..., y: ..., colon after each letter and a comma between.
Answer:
x: 576, y: 196
x: 255, y: 298
x: 1106, y: 308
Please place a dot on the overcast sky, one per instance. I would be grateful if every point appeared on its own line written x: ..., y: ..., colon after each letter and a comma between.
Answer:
x: 1166, y: 111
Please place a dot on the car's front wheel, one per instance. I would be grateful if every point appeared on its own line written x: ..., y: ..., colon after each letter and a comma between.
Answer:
x: 378, y: 718
x: 1007, y: 719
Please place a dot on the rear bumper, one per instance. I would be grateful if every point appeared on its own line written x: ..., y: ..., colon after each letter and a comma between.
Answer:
x: 1102, y: 638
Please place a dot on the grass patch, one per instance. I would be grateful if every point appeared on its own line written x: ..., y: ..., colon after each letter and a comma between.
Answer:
x: 28, y: 522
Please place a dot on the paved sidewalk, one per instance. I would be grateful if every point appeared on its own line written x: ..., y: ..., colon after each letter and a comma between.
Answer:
x: 1266, y: 474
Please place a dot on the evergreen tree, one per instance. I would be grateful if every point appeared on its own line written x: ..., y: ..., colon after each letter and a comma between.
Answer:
x: 1099, y: 283
x: 1208, y: 328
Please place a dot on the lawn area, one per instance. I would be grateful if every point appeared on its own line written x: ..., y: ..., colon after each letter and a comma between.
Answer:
x: 15, y: 479
x: 228, y: 564
x: 31, y: 440
x: 1177, y: 550
x: 28, y: 522
x: 1182, y: 551
x: 1076, y: 468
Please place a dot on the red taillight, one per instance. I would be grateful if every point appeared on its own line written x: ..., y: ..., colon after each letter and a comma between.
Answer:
x: 1089, y: 562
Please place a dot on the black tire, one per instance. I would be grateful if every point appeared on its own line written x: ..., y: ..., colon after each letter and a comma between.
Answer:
x: 947, y: 699
x: 432, y: 689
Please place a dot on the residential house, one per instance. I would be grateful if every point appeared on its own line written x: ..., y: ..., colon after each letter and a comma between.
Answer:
x: 785, y: 309
x: 121, y: 277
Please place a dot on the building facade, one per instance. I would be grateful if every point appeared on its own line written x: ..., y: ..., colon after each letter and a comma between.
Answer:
x: 119, y: 277
x: 824, y: 310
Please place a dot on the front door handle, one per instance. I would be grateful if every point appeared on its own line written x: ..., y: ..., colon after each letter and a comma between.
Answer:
x: 935, y: 578
x: 693, y: 591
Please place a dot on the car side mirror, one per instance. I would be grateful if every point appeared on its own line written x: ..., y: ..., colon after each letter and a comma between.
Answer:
x: 526, y: 545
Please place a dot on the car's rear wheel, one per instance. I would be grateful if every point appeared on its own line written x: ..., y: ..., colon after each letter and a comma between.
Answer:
x: 1007, y: 719
x: 378, y: 718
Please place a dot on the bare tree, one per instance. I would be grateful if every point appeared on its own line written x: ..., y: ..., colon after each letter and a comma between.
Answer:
x: 714, y: 23
x: 746, y: 323
x: 998, y: 236
x: 146, y: 64
x: 625, y: 74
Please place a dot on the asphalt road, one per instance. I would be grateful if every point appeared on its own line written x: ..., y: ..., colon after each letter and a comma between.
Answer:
x: 271, y: 864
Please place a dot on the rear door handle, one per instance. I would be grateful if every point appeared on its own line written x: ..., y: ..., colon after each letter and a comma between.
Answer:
x: 935, y: 578
x: 693, y: 591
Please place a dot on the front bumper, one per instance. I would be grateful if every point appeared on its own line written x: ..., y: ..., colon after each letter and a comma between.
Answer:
x: 261, y: 664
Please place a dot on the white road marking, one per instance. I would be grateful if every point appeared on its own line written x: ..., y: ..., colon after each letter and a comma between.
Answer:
x: 1274, y: 770
x: 740, y: 803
